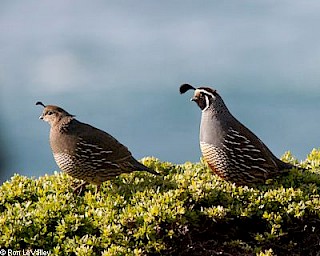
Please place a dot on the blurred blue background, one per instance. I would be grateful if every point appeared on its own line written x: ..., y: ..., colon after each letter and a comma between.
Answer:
x: 118, y: 65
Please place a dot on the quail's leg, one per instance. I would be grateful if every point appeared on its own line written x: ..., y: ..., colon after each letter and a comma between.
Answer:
x: 98, y: 188
x: 79, y: 188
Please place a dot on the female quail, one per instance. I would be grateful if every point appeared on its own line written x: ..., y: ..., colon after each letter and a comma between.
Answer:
x: 231, y: 150
x: 85, y: 152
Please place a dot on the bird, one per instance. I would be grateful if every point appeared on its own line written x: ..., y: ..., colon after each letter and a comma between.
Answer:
x: 231, y: 150
x: 85, y: 152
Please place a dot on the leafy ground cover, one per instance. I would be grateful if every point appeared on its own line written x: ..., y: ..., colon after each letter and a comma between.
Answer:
x: 186, y: 211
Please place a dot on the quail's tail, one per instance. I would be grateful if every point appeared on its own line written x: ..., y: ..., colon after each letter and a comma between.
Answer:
x: 141, y: 167
x: 285, y: 167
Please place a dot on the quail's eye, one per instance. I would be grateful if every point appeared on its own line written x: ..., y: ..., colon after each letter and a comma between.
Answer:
x: 49, y: 113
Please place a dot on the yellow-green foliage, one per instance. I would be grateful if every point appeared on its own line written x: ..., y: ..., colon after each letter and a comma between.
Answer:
x: 186, y: 211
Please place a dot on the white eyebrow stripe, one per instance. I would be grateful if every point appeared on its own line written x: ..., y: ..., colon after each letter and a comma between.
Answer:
x: 206, y: 92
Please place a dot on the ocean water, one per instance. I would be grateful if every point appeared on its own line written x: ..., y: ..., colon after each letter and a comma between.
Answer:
x: 118, y: 66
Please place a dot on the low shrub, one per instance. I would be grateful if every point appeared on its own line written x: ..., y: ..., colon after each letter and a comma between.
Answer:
x: 186, y: 211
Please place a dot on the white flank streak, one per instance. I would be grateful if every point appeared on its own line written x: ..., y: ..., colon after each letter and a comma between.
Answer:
x: 227, y: 148
x: 257, y: 167
x: 96, y: 146
x: 251, y: 149
x: 82, y: 142
x: 255, y: 150
x: 231, y: 142
x: 105, y: 152
x: 234, y: 131
x: 245, y: 166
x: 231, y: 137
x: 242, y: 137
x: 255, y: 159
x: 234, y: 161
x: 113, y: 164
x: 250, y: 176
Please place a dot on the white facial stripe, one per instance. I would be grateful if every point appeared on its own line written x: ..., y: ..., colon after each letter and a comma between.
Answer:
x: 206, y: 92
x: 207, y: 103
x: 206, y: 96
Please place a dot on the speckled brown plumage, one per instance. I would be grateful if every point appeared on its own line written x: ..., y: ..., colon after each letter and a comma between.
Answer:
x: 85, y: 152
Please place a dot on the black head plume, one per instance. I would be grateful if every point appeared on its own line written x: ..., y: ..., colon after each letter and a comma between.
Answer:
x: 40, y: 103
x: 186, y: 87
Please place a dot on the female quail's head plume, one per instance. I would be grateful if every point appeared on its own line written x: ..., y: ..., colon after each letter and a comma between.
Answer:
x: 85, y: 152
x: 231, y: 150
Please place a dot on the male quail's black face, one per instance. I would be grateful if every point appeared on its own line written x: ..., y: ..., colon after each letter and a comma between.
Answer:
x: 203, y: 96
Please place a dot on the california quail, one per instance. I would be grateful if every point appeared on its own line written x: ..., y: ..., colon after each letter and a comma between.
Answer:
x: 85, y: 152
x: 231, y: 150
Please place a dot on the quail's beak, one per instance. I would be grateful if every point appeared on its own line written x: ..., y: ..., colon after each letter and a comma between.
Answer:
x: 41, y: 117
x: 194, y: 98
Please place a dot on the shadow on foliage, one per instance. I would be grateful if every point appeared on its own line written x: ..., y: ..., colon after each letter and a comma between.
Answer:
x: 222, y: 238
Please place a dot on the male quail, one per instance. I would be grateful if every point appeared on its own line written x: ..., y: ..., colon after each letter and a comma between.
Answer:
x: 231, y: 150
x: 85, y: 152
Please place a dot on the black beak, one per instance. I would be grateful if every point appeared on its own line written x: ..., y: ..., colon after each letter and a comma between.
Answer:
x: 194, y: 98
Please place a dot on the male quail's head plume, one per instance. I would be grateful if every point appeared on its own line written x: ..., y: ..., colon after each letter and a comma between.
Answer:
x: 231, y: 150
x: 85, y: 152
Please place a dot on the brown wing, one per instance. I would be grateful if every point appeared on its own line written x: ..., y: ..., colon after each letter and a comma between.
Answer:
x: 249, y: 154
x: 98, y: 146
